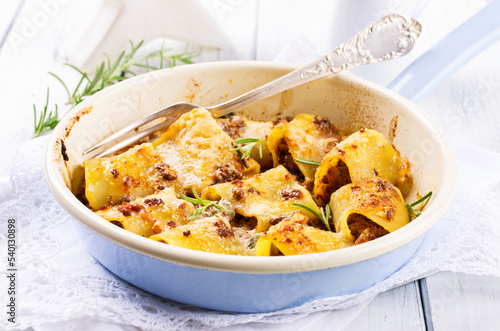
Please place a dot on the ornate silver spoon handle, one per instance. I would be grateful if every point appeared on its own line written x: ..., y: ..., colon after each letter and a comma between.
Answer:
x: 389, y: 38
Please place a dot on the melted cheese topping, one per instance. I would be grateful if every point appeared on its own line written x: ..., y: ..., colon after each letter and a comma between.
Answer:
x: 247, y: 207
x: 293, y: 236
x: 265, y: 196
x: 366, y: 154
x: 306, y: 137
x: 210, y: 234
x: 150, y: 215
x: 192, y: 154
x: 237, y: 128
x: 374, y: 198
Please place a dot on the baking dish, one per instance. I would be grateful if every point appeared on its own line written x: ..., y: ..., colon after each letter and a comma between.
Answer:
x: 247, y: 283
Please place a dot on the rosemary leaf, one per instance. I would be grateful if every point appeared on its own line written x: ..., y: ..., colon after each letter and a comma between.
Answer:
x: 111, y: 71
x: 422, y: 199
x: 246, y: 140
x: 189, y: 199
x: 246, y: 150
x: 107, y: 73
x: 62, y: 83
x: 322, y: 217
x: 328, y: 212
x: 93, y: 83
x: 314, y: 163
x: 414, y: 214
x: 47, y: 121
x: 203, y: 203
x: 78, y: 70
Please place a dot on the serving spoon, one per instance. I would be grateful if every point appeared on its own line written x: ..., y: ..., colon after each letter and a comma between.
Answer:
x: 389, y: 38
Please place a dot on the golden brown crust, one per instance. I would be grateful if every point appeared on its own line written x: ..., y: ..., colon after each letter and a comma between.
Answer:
x: 241, y: 207
x: 370, y: 203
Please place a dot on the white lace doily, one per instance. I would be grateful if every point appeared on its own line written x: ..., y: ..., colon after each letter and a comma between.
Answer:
x: 59, y: 280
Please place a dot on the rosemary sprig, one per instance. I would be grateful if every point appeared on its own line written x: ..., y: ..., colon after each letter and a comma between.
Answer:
x: 324, y: 216
x: 314, y: 163
x: 46, y: 121
x: 250, y: 144
x: 204, y: 203
x: 109, y: 73
x: 412, y: 212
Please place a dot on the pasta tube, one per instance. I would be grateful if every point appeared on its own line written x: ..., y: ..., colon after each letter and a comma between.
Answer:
x: 150, y: 215
x: 368, y: 209
x: 211, y: 234
x: 364, y: 154
x: 306, y: 137
x: 264, y: 196
x: 193, y: 153
x: 293, y: 236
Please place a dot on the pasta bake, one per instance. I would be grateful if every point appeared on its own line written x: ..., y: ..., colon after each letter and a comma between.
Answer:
x: 244, y: 187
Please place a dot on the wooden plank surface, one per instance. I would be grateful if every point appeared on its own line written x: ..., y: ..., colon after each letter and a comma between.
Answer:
x: 464, y: 302
x: 398, y: 309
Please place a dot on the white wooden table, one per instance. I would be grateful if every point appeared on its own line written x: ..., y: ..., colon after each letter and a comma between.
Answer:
x: 259, y: 30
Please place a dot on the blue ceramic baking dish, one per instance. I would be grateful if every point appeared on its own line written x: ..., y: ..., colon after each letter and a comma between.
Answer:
x: 249, y: 283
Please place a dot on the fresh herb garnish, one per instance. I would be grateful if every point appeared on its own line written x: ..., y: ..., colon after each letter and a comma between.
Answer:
x: 253, y: 240
x: 314, y: 163
x: 324, y: 216
x: 204, y: 203
x: 106, y: 74
x: 228, y: 115
x: 247, y: 149
x: 412, y: 212
x: 46, y: 121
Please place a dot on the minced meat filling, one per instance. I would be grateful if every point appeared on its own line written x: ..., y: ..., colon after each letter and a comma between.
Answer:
x: 288, y: 194
x: 286, y: 159
x: 324, y: 125
x: 363, y: 229
x: 337, y: 177
x: 233, y: 126
x: 226, y: 173
x: 241, y: 221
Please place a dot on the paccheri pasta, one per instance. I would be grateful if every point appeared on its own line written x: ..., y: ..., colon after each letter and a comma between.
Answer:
x: 236, y: 186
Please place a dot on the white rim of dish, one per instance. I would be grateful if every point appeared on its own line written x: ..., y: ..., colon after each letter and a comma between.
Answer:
x: 254, y: 264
